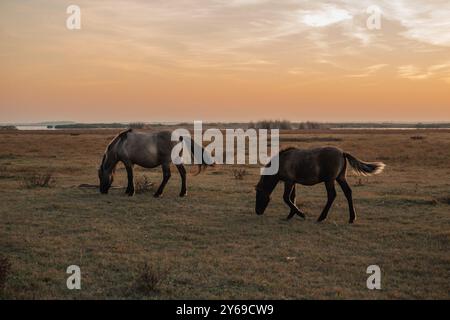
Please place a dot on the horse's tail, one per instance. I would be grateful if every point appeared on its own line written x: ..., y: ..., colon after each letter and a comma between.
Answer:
x: 364, y: 168
x: 203, y: 160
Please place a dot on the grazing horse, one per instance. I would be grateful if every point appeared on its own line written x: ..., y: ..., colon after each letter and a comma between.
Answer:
x: 309, y: 167
x: 147, y: 150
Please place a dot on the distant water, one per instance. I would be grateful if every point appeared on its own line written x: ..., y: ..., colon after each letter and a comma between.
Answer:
x: 34, y: 128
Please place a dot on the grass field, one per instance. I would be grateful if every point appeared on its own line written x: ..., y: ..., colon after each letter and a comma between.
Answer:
x: 211, y: 244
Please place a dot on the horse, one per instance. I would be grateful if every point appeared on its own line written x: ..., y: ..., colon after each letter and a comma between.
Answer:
x: 310, y: 167
x: 148, y: 150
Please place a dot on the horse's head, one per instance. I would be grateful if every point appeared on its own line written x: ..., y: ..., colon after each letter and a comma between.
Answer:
x: 264, y: 189
x: 262, y: 201
x: 108, y: 166
x: 106, y: 178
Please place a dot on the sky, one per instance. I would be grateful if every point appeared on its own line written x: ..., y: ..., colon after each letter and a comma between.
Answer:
x: 224, y: 60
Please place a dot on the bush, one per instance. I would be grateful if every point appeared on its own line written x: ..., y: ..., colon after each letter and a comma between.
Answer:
x: 45, y: 180
x: 149, y: 279
x: 142, y: 184
x: 5, y: 269
x: 239, y: 174
x: 444, y: 200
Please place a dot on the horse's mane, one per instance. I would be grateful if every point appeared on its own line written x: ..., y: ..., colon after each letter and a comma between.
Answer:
x: 121, y: 136
x: 280, y: 153
x: 286, y: 149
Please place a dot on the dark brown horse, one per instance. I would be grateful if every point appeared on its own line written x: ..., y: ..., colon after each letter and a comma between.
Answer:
x: 147, y: 150
x: 309, y: 167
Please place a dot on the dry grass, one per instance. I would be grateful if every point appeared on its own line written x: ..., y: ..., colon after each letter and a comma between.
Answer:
x: 215, y: 245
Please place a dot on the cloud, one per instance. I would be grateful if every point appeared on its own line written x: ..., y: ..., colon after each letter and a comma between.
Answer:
x: 154, y: 36
x: 368, y: 71
x: 326, y: 16
x: 412, y: 72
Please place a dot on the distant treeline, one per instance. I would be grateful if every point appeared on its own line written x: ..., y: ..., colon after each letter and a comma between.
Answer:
x: 91, y: 126
x: 271, y: 124
x: 310, y: 125
x: 287, y: 125
x: 8, y: 128
x: 263, y: 124
x: 115, y: 125
x: 387, y: 125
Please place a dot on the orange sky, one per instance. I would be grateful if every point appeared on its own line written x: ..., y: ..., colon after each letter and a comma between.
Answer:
x: 224, y: 60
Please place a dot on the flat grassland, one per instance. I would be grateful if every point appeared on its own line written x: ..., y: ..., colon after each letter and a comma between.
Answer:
x: 211, y: 244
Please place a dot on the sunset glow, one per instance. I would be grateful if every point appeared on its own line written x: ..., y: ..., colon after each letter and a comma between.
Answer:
x: 224, y: 60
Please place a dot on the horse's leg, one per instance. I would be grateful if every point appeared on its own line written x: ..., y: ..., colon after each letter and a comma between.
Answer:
x: 166, y: 177
x: 130, y: 187
x: 182, y: 172
x: 299, y: 212
x: 331, y: 193
x: 348, y: 194
x: 292, y: 196
x: 289, y: 189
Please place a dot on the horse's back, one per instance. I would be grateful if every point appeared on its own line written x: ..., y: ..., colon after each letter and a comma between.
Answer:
x: 311, y: 166
x: 332, y: 162
x: 145, y: 148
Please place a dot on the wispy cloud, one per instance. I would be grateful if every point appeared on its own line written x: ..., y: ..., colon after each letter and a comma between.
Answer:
x: 411, y: 72
x: 279, y: 47
x: 326, y: 16
x: 368, y: 71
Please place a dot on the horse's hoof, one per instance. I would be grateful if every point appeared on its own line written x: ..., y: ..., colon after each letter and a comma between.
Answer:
x: 301, y: 215
x: 130, y: 194
x: 157, y: 195
x: 183, y: 195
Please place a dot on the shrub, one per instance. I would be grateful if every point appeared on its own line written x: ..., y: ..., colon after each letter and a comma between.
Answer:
x: 142, y: 184
x: 239, y: 174
x: 444, y: 200
x: 149, y: 279
x: 44, y: 180
x: 5, y: 269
